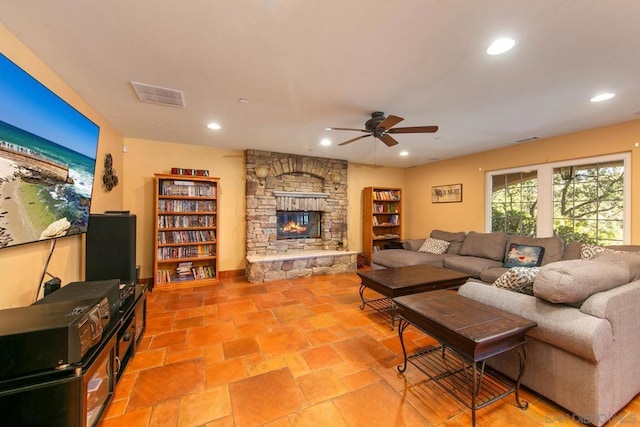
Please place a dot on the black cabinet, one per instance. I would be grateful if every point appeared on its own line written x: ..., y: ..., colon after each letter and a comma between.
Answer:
x: 77, y: 395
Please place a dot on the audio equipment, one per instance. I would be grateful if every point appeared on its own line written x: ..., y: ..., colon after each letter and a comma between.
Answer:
x: 111, y: 247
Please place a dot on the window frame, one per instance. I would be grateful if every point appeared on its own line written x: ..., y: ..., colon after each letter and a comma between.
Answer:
x: 544, y: 172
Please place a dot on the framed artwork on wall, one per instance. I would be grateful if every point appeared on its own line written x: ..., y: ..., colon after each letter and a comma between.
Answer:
x: 446, y: 193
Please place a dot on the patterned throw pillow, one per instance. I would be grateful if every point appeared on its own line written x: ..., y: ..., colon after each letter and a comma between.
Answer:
x: 588, y: 251
x: 518, y: 279
x: 434, y: 246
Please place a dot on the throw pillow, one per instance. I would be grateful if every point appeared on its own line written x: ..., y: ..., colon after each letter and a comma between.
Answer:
x: 573, y: 281
x: 588, y: 251
x: 518, y: 279
x: 523, y: 256
x: 434, y: 246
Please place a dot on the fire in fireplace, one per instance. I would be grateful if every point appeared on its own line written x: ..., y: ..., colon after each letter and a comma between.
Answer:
x: 298, y: 225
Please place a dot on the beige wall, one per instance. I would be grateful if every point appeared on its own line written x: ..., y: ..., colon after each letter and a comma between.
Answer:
x: 145, y: 158
x: 423, y: 216
x: 22, y: 266
x: 361, y: 176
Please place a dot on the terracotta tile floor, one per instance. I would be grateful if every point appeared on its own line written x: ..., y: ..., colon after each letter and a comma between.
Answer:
x: 291, y: 353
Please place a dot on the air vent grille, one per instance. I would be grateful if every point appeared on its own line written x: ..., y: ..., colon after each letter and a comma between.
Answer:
x: 158, y: 95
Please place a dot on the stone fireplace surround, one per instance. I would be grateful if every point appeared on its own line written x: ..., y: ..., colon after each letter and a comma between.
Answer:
x: 295, y: 183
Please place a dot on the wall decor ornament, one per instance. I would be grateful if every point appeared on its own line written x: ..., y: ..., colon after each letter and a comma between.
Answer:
x: 109, y: 178
x: 446, y: 193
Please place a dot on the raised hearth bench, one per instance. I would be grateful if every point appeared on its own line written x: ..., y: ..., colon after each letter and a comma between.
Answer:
x: 268, y: 268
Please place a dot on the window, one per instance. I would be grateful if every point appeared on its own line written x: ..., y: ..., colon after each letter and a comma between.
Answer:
x: 514, y: 202
x: 578, y: 201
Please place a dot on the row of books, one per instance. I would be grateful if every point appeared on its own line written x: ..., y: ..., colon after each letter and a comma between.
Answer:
x: 386, y: 236
x: 177, y: 221
x: 393, y: 220
x: 386, y: 195
x: 165, y: 237
x: 186, y: 205
x: 186, y: 251
x: 187, y: 188
x: 203, y: 272
x: 387, y: 207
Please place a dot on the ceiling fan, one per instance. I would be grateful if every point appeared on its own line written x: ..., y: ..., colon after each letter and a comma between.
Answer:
x: 381, y: 127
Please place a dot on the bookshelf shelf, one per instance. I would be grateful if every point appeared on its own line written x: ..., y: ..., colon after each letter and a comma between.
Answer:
x: 186, y: 230
x: 382, y: 212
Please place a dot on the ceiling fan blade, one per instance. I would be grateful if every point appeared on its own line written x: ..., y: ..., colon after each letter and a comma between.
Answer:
x: 354, y: 139
x: 359, y: 130
x: 389, y: 122
x: 415, y: 129
x: 387, y: 139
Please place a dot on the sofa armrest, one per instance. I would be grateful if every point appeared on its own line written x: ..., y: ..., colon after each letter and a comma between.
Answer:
x: 413, y: 244
x: 619, y: 306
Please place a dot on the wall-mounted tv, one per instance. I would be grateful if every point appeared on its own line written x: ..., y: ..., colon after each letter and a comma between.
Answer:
x: 47, y: 161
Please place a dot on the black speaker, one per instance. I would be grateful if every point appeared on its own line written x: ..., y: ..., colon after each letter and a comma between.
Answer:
x: 111, y: 247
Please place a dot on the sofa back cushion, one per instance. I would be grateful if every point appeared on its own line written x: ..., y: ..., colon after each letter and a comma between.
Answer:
x: 485, y: 245
x: 553, y: 246
x: 455, y: 239
x: 573, y: 281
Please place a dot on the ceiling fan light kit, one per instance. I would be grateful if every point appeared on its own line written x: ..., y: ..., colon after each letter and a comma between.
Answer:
x: 381, y: 127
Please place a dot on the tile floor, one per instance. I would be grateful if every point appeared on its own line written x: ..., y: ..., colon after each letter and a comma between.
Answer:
x: 291, y: 353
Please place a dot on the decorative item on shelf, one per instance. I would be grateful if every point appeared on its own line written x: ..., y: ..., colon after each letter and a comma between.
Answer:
x: 189, y: 172
x: 109, y: 178
x: 446, y: 193
x: 336, y: 179
x: 262, y: 172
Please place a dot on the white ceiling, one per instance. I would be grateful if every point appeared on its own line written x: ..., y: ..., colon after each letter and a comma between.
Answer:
x: 308, y: 64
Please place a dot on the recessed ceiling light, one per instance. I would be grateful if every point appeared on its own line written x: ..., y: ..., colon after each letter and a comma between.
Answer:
x: 325, y: 141
x: 602, y: 97
x: 501, y: 46
x: 214, y: 126
x: 404, y: 153
x: 243, y: 100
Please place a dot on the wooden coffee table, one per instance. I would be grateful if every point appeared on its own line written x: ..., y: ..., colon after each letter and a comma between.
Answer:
x: 469, y: 333
x: 396, y: 282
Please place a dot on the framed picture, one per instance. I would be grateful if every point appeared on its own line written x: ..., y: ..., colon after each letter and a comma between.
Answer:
x: 446, y: 193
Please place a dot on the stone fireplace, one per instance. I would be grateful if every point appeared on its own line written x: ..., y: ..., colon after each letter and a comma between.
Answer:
x: 296, y: 216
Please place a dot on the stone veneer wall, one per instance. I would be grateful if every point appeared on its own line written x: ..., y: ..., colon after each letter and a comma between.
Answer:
x: 293, y: 173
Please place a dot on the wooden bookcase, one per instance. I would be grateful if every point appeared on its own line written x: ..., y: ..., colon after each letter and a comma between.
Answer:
x: 382, y: 219
x: 186, y: 230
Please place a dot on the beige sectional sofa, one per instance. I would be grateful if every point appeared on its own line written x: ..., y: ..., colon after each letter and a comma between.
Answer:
x: 584, y: 353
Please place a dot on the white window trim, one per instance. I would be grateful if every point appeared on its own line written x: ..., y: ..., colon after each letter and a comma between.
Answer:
x: 545, y: 181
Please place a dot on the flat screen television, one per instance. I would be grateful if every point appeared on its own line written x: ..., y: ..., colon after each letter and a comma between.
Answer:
x: 47, y: 161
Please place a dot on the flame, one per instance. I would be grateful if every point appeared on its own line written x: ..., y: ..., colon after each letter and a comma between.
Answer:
x: 293, y: 227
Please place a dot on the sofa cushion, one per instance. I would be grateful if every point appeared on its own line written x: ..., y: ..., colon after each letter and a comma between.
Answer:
x: 491, y: 274
x: 553, y: 246
x: 455, y: 239
x: 391, y: 258
x: 434, y: 246
x: 485, y: 245
x: 631, y: 260
x: 518, y: 279
x: 523, y: 256
x: 573, y: 281
x: 474, y: 266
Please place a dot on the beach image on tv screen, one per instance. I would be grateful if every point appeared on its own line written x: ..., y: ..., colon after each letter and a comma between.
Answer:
x: 47, y: 161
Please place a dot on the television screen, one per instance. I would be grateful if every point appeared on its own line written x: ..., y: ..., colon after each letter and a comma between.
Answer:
x: 47, y: 161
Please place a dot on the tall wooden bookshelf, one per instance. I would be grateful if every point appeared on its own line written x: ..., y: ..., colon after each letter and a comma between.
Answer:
x: 186, y: 230
x: 382, y: 214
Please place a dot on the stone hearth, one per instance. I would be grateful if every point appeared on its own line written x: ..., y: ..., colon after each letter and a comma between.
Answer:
x: 296, y: 183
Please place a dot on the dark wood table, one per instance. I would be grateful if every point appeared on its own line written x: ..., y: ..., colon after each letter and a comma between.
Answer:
x: 396, y: 282
x: 469, y: 333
